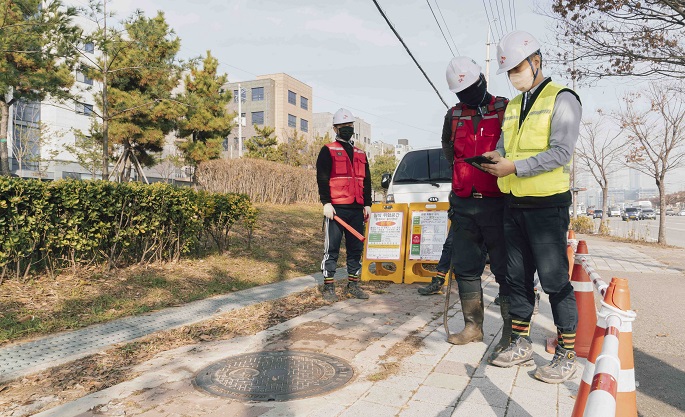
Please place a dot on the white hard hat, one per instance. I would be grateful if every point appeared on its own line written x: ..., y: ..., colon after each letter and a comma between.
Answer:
x: 514, y: 48
x: 342, y: 116
x: 461, y: 73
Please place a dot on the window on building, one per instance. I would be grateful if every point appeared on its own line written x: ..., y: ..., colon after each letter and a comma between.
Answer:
x: 292, y: 97
x: 304, y: 125
x: 88, y: 47
x: 292, y: 121
x: 81, y: 77
x: 304, y: 103
x: 83, y: 108
x: 257, y: 117
x: 258, y: 94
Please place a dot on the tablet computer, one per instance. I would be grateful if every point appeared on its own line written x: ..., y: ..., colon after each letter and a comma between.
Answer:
x: 477, y: 161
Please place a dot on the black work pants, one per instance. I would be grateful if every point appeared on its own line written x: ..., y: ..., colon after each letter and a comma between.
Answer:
x: 333, y: 238
x: 477, y: 225
x: 536, y: 240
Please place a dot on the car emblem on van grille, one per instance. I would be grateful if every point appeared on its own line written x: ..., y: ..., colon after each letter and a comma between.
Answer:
x: 433, y: 199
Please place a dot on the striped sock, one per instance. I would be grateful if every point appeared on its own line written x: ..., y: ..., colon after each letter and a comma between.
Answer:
x: 568, y: 341
x: 328, y: 280
x: 520, y: 327
x: 560, y: 340
x: 352, y: 278
x: 440, y: 275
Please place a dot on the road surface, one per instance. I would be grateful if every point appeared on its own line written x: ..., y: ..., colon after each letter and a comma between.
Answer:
x: 649, y: 229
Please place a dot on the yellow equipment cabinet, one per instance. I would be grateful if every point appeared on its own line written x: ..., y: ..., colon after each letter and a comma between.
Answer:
x: 427, y: 229
x: 384, y: 247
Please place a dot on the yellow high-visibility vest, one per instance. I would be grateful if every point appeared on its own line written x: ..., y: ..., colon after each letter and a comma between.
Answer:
x: 529, y: 140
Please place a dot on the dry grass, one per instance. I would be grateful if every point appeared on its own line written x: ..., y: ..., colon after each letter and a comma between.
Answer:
x: 287, y: 243
x: 390, y: 362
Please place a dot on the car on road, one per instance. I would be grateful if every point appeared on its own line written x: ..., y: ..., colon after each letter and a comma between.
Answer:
x: 647, y: 214
x: 631, y: 213
x: 597, y: 214
x: 614, y: 211
x: 670, y: 212
x: 423, y: 175
x: 682, y: 213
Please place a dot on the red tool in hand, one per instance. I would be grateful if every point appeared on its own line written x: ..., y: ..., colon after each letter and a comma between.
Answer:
x: 349, y: 228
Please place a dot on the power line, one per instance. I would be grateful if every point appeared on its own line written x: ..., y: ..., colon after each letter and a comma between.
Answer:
x: 440, y: 27
x: 487, y: 16
x: 499, y: 16
x: 409, y: 52
x: 338, y: 103
x: 447, y: 26
x: 512, y: 15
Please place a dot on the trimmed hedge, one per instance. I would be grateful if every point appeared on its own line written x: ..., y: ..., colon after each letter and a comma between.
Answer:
x: 52, y: 225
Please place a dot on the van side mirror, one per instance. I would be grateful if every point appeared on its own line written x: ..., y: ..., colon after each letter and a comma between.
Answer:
x: 385, y: 180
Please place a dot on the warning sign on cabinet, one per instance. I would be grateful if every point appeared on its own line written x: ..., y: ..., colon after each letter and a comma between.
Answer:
x: 428, y: 234
x: 384, y: 240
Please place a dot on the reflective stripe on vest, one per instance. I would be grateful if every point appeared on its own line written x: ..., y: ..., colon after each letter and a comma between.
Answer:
x: 531, y: 138
x: 347, y: 179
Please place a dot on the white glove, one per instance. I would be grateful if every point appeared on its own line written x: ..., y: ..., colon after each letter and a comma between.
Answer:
x: 367, y: 212
x: 328, y: 210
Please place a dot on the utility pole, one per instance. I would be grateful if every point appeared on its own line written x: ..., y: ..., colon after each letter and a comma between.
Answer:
x: 487, y: 59
x: 574, y: 193
x: 105, y: 116
x: 240, y: 121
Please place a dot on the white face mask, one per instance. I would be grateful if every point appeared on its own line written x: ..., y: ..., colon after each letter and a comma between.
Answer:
x: 522, y: 81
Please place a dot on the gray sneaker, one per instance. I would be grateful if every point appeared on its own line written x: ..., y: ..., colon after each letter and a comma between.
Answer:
x: 561, y: 368
x: 354, y: 291
x: 328, y: 292
x: 519, y: 350
x: 435, y: 287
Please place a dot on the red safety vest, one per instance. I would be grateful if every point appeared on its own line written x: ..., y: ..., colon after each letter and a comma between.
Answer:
x: 466, y: 178
x: 347, y: 178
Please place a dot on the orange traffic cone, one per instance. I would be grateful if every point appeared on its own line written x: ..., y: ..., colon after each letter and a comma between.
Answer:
x: 571, y: 234
x: 571, y: 259
x: 585, y: 301
x: 617, y: 296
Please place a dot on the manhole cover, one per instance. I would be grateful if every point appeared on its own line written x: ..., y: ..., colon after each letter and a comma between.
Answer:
x: 274, y: 376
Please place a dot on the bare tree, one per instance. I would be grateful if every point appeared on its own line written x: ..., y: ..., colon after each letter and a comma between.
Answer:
x: 621, y: 38
x: 601, y: 153
x: 655, y: 126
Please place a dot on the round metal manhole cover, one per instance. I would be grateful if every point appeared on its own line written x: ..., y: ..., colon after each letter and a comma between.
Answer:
x: 274, y: 376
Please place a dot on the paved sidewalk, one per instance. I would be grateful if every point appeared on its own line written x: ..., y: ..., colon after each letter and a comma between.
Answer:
x: 436, y: 379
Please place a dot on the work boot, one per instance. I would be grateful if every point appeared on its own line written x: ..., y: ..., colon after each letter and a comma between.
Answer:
x: 472, y: 308
x: 505, y: 340
x: 328, y: 292
x: 561, y: 368
x: 435, y: 287
x: 536, y: 306
x: 354, y: 291
x: 519, y: 350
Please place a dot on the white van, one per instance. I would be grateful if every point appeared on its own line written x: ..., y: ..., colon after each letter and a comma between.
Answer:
x: 423, y: 175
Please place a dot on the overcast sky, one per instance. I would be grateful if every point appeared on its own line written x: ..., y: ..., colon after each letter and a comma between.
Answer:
x: 345, y: 51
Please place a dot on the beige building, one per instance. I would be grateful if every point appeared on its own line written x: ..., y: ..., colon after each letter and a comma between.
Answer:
x: 276, y: 100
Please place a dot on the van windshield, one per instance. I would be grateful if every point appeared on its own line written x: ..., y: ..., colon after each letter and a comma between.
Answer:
x: 428, y: 165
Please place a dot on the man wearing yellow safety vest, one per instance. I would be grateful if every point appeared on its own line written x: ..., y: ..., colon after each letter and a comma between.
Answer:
x: 532, y: 161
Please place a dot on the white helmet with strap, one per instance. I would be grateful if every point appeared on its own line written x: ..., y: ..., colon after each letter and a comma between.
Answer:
x: 461, y: 73
x: 342, y: 116
x: 514, y: 48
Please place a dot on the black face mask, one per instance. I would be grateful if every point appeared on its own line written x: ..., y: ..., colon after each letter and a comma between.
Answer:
x: 476, y: 94
x: 345, y: 132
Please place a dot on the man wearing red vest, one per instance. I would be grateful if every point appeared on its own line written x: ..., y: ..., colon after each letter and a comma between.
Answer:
x: 471, y: 128
x: 344, y: 180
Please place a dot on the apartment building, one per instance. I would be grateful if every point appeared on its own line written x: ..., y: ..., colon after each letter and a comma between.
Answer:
x: 276, y: 100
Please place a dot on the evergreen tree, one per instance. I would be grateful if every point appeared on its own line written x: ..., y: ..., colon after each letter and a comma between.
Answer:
x: 138, y: 70
x: 263, y: 145
x: 292, y: 152
x: 205, y: 121
x: 35, y: 59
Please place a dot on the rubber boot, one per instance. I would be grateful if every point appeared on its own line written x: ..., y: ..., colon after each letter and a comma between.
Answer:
x: 472, y: 308
x: 505, y: 340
